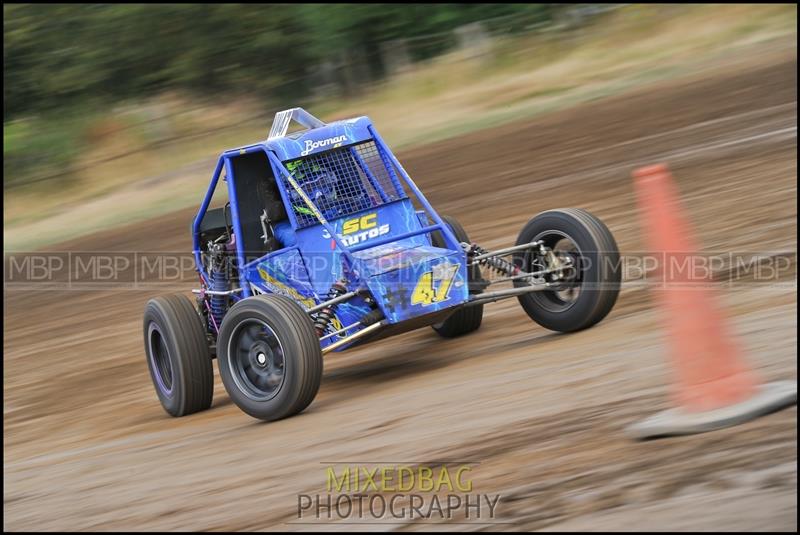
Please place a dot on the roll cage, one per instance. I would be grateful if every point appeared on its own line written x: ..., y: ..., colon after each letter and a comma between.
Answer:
x: 371, y: 163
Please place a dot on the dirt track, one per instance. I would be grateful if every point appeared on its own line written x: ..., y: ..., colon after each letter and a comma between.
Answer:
x: 87, y: 445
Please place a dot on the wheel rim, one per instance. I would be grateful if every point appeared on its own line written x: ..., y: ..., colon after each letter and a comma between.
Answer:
x: 256, y: 360
x: 159, y: 359
x: 566, y: 294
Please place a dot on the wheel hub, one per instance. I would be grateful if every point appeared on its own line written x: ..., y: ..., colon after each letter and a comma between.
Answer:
x: 257, y: 360
x: 559, y: 254
x: 261, y: 356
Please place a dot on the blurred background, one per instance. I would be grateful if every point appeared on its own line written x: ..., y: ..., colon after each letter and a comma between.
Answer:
x: 113, y: 119
x: 98, y: 98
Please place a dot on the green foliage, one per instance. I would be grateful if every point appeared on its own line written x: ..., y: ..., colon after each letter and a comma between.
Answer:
x: 64, y: 64
x: 39, y: 147
x: 59, y: 56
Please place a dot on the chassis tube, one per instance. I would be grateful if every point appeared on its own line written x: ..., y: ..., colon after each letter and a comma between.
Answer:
x: 199, y: 218
x: 449, y: 237
x: 237, y: 225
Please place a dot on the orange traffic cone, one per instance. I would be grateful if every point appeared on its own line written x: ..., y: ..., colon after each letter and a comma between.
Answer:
x: 713, y: 387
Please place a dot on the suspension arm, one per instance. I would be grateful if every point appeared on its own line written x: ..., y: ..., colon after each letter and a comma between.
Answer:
x: 506, y: 251
x: 334, y: 301
x: 491, y: 297
x: 353, y: 337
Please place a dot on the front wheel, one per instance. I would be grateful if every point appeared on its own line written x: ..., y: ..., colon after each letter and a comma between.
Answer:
x: 269, y: 357
x: 588, y: 292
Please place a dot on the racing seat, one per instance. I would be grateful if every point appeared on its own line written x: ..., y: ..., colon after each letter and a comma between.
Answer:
x: 260, y: 204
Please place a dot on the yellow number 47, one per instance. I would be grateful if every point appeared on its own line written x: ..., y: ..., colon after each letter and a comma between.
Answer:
x: 426, y: 291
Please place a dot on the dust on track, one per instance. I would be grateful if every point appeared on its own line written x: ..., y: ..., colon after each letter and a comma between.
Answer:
x: 88, y: 446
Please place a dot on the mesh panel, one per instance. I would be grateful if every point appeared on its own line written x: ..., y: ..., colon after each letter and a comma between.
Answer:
x: 342, y: 181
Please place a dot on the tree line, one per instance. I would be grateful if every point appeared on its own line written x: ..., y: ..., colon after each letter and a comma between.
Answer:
x: 57, y: 57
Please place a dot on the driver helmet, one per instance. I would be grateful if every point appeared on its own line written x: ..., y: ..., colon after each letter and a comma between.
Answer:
x: 318, y: 184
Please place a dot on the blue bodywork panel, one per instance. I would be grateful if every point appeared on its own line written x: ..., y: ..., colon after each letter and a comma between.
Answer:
x: 346, y: 197
x: 413, y: 281
x: 330, y: 136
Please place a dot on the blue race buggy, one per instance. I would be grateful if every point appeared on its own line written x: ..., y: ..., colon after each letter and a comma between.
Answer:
x: 325, y: 243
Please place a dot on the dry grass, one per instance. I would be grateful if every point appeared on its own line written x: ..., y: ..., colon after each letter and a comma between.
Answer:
x: 539, y: 73
x: 451, y: 95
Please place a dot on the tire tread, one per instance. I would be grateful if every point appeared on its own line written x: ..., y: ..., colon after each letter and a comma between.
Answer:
x: 195, y: 370
x: 606, y: 296
x: 304, y: 341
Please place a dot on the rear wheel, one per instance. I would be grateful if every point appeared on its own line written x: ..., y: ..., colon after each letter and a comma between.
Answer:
x: 466, y: 319
x: 590, y: 288
x: 178, y: 355
x: 269, y: 357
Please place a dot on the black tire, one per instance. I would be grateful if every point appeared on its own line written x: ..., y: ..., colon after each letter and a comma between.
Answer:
x: 178, y: 355
x: 599, y: 272
x: 279, y: 330
x: 468, y: 319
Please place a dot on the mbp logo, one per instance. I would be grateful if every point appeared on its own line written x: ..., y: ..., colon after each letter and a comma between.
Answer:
x: 23, y: 269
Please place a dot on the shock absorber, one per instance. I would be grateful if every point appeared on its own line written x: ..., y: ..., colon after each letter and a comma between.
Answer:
x: 495, y: 263
x: 325, y: 316
x: 219, y: 282
x: 219, y: 303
